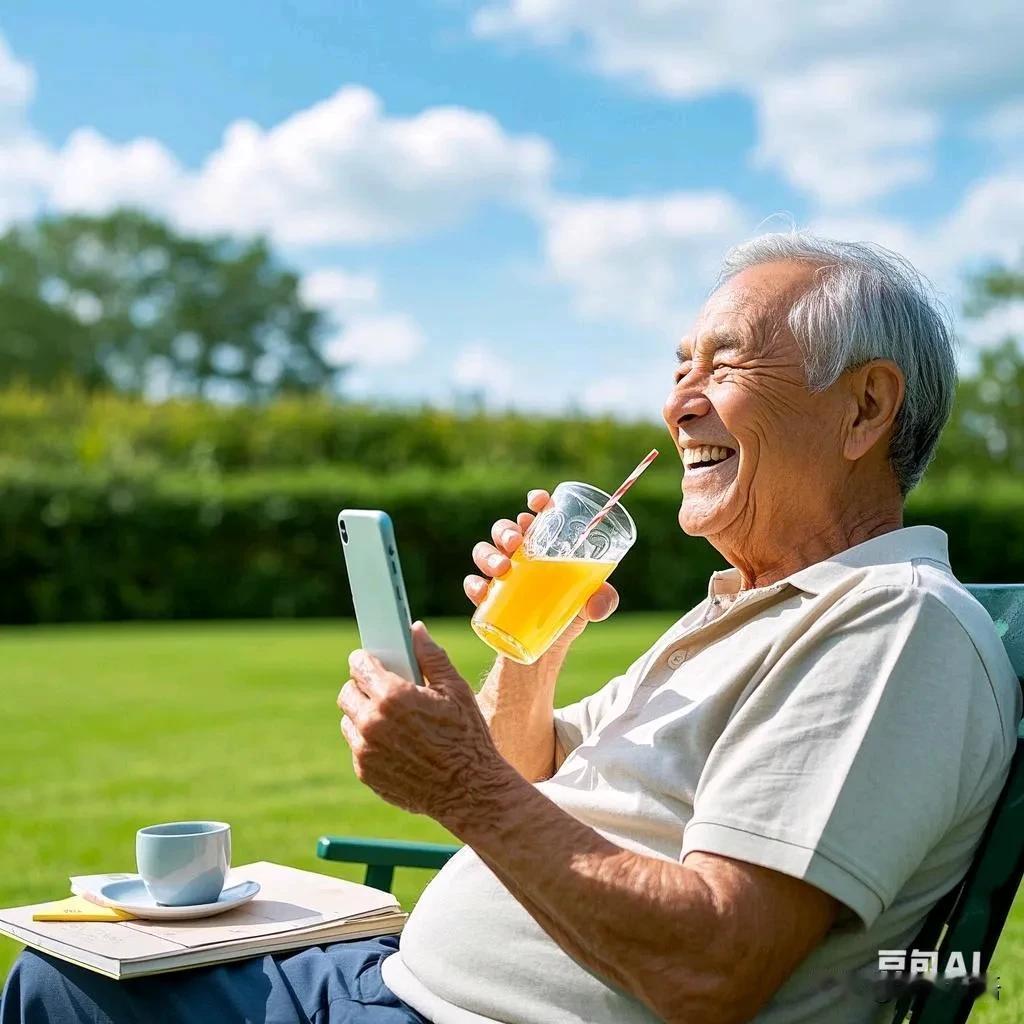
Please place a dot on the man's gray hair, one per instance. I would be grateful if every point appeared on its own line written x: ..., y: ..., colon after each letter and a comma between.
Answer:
x: 869, y: 303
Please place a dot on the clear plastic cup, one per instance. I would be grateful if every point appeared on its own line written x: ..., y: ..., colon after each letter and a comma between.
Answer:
x: 553, y: 575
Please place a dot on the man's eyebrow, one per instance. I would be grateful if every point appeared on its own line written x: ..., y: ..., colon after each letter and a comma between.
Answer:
x: 716, y: 341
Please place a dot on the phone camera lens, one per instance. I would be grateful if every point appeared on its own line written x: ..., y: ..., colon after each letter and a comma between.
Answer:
x: 344, y: 531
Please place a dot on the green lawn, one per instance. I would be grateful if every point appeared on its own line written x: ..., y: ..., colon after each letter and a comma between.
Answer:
x: 107, y: 728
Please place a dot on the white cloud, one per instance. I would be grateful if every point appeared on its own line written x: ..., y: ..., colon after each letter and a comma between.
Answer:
x: 632, y: 395
x: 641, y: 260
x: 340, y: 293
x: 834, y: 137
x: 24, y: 158
x: 375, y: 341
x: 17, y: 84
x: 1000, y: 323
x: 849, y: 97
x: 344, y: 171
x: 90, y: 174
x: 989, y: 221
x: 340, y: 171
x: 479, y: 369
x: 25, y: 166
x: 364, y: 335
x: 1005, y: 124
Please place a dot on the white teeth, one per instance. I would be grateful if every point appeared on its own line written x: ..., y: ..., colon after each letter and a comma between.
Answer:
x: 705, y: 453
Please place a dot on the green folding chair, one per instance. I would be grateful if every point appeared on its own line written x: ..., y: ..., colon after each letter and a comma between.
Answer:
x: 968, y: 919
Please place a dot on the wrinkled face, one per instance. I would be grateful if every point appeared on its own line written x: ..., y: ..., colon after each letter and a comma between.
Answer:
x: 758, y: 449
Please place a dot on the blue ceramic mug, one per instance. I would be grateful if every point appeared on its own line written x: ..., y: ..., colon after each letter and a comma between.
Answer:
x: 184, y: 863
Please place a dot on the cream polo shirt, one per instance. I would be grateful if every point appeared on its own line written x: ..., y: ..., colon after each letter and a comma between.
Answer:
x: 850, y: 725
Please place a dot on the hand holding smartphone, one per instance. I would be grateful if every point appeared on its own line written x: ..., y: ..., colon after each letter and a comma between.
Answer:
x: 378, y: 590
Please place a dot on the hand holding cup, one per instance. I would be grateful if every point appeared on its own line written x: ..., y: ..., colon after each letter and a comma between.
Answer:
x: 493, y: 559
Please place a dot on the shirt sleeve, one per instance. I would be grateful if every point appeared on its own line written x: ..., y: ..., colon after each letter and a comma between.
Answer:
x: 846, y: 764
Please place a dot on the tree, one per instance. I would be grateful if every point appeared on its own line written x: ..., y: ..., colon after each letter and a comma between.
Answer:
x: 985, y: 434
x: 123, y: 301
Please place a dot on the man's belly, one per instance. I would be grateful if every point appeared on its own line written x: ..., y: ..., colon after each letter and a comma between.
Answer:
x: 474, y: 947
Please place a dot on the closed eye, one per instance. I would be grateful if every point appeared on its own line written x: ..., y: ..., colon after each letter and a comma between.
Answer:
x: 683, y: 369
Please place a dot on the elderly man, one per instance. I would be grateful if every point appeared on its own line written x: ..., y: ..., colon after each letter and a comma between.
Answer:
x: 783, y: 784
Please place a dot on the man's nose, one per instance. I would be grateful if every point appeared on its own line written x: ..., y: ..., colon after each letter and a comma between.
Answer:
x: 682, y: 407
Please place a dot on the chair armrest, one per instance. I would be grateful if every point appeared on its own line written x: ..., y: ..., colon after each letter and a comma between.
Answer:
x: 382, y: 856
x: 385, y: 852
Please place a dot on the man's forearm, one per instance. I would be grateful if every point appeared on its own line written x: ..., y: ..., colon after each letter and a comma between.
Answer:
x: 517, y: 703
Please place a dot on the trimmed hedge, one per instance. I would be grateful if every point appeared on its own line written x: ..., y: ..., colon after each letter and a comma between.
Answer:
x: 77, y: 547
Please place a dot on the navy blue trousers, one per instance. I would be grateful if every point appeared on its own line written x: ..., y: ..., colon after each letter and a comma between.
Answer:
x: 335, y: 984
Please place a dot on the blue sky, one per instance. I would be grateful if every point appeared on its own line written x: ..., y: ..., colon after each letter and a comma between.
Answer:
x: 527, y: 197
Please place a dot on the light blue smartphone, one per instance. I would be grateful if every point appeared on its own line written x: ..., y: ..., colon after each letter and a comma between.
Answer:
x: 378, y: 590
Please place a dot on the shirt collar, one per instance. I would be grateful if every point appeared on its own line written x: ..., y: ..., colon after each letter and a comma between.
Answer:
x: 903, y: 545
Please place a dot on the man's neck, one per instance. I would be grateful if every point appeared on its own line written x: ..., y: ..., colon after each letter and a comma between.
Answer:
x: 762, y: 563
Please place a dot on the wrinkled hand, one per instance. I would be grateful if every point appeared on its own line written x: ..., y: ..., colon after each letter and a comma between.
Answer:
x: 424, y: 748
x: 493, y: 559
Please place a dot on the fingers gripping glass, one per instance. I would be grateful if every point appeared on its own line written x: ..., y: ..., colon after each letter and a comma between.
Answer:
x: 554, y: 572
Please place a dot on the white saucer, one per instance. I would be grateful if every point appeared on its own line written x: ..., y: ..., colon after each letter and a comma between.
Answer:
x: 131, y: 895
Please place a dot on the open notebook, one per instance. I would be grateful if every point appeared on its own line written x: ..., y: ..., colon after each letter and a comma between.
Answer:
x: 294, y: 909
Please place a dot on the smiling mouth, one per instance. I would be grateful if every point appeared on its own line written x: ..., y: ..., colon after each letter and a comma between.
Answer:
x: 706, y: 457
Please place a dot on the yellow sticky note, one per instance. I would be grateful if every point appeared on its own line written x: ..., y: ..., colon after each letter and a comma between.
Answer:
x: 75, y: 908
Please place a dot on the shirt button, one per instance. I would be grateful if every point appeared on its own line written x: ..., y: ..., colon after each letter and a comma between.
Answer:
x: 676, y: 658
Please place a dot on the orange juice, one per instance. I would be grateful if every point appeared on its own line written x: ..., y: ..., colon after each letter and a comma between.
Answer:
x: 527, y: 608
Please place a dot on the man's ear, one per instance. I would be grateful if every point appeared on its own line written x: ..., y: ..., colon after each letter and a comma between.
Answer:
x: 876, y: 396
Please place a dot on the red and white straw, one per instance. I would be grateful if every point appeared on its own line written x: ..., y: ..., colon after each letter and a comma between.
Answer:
x: 616, y: 497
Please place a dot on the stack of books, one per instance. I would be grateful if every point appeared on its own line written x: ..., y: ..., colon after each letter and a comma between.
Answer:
x: 294, y: 909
